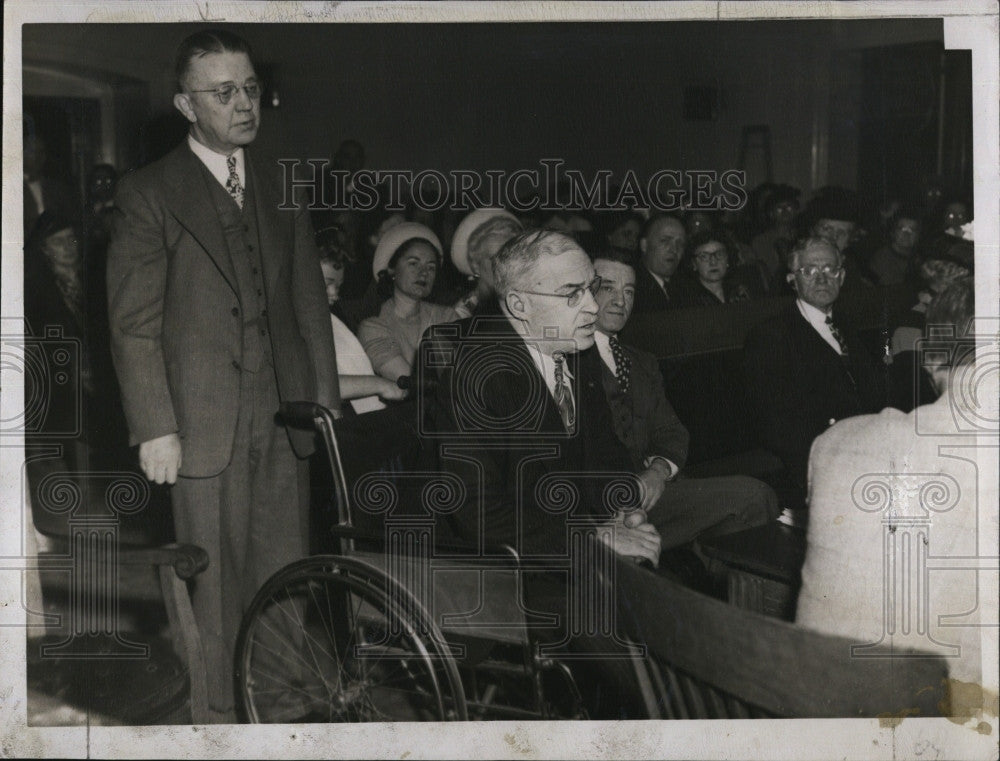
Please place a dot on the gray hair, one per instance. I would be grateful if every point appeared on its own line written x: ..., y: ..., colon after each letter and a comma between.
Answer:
x: 518, y: 256
x: 792, y: 257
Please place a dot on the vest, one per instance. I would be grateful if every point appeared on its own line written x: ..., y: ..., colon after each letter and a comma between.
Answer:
x: 239, y: 227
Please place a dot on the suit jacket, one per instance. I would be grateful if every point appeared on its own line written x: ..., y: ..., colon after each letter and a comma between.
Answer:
x: 797, y: 384
x: 644, y: 420
x: 491, y: 421
x: 649, y: 296
x: 176, y: 320
x: 865, y: 469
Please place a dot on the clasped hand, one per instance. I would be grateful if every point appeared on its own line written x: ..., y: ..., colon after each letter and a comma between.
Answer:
x: 634, y: 536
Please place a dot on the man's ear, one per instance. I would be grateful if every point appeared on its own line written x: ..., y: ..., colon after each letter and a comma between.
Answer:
x: 642, y: 246
x: 515, y: 304
x: 791, y: 280
x: 182, y: 102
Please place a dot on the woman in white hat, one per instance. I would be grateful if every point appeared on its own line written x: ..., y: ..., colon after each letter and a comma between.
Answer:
x: 477, y: 239
x: 405, y: 265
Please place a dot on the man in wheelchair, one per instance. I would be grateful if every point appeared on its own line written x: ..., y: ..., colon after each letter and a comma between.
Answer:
x: 514, y: 406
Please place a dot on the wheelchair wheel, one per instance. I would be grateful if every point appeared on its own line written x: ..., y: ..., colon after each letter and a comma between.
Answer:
x: 332, y: 639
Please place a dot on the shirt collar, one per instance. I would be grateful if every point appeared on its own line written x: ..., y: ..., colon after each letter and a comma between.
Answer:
x: 216, y: 162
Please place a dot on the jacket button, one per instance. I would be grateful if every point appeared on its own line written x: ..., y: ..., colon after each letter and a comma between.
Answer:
x: 235, y: 312
x: 236, y: 364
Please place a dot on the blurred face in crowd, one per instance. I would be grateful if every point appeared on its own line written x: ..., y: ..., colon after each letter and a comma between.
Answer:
x: 837, y: 231
x: 415, y: 270
x: 333, y: 277
x: 62, y: 248
x: 817, y: 275
x: 905, y: 235
x: 662, y: 247
x: 221, y: 127
x: 711, y: 262
x: 955, y: 214
x: 626, y: 235
x: 698, y: 221
x: 615, y: 295
x: 783, y: 212
x: 102, y: 184
x: 562, y: 314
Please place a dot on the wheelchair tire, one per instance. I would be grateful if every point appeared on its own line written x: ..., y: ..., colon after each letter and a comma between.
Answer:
x: 333, y: 639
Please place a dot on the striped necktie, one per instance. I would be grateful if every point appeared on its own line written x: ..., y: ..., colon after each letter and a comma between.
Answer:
x: 563, y: 393
x: 837, y: 336
x: 233, y: 184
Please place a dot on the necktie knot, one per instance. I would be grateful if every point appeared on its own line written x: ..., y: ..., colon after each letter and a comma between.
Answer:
x: 233, y: 185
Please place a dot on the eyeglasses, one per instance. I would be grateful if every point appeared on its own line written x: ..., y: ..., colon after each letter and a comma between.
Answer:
x: 711, y: 256
x: 226, y: 93
x: 575, y: 296
x: 810, y: 272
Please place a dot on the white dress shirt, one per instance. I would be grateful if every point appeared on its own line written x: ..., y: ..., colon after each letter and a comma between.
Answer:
x: 817, y: 318
x: 216, y: 162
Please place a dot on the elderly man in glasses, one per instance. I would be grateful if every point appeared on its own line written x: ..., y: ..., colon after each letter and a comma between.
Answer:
x: 217, y: 313
x: 512, y: 404
x: 805, y: 369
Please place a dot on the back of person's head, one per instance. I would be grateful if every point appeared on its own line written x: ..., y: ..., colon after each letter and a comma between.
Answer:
x: 204, y: 43
x: 949, y: 321
x: 519, y: 255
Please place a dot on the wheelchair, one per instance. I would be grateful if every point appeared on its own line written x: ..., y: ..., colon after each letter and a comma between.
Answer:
x: 382, y: 631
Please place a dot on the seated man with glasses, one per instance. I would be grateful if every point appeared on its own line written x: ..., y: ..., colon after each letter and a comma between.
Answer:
x: 513, y: 406
x: 803, y: 369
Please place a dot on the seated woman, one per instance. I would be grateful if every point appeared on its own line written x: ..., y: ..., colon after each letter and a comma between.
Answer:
x: 709, y: 255
x: 358, y: 382
x: 477, y: 239
x: 405, y: 264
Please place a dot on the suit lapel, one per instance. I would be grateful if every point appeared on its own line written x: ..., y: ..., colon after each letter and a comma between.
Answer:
x: 817, y: 346
x: 192, y: 206
x: 274, y: 242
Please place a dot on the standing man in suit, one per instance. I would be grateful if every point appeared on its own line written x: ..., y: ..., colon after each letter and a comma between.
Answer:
x: 804, y: 370
x: 218, y: 312
x: 681, y: 509
x: 661, y: 247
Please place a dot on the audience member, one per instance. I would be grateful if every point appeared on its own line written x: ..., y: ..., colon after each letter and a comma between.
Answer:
x: 804, y: 370
x: 358, y: 382
x: 661, y: 246
x: 476, y: 241
x: 769, y: 246
x: 682, y: 509
x: 405, y: 265
x: 895, y: 263
x: 956, y: 214
x: 42, y: 192
x: 889, y: 486
x: 713, y: 280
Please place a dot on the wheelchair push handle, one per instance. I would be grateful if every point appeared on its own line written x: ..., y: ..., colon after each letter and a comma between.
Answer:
x: 307, y: 415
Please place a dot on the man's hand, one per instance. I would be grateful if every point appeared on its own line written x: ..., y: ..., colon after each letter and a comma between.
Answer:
x: 652, y: 480
x: 391, y: 392
x: 634, y: 537
x: 160, y: 459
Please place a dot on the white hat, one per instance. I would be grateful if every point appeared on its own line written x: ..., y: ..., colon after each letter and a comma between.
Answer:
x: 460, y: 241
x: 396, y: 236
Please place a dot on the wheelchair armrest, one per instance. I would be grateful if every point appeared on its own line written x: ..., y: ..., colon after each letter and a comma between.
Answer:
x: 497, y: 554
x: 307, y: 414
x: 188, y: 560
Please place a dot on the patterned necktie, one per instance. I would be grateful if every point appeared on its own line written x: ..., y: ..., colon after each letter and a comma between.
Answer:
x: 564, y: 393
x: 623, y: 363
x: 837, y: 336
x: 233, y: 182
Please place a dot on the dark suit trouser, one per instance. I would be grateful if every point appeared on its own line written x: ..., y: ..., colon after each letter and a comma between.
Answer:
x: 703, y: 507
x: 249, y: 519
